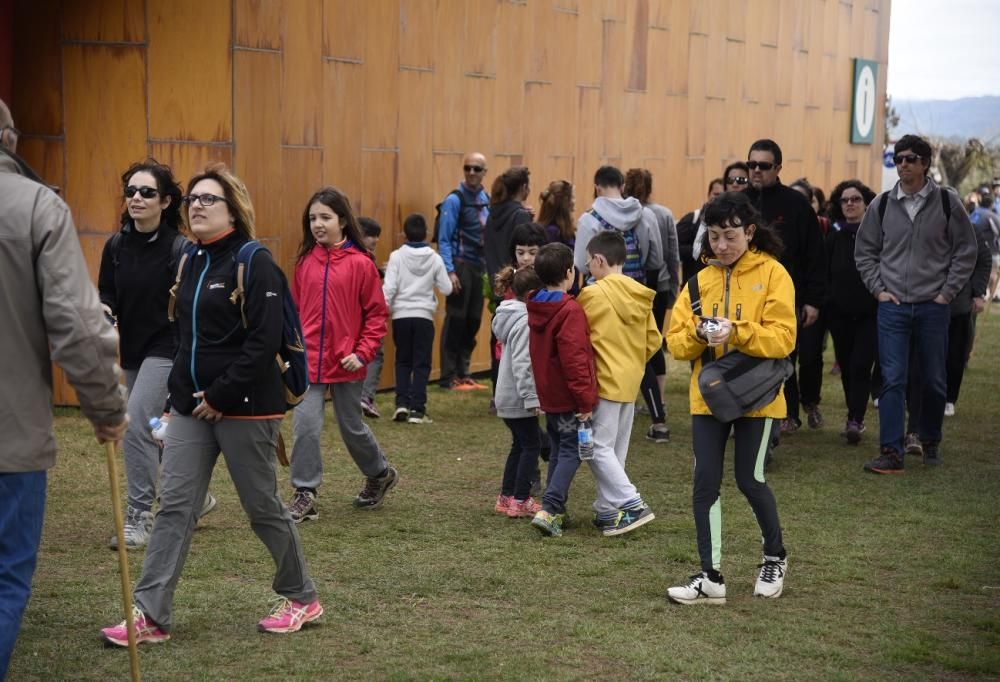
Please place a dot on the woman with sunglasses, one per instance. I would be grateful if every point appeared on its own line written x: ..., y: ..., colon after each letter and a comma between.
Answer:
x: 137, y: 270
x: 227, y: 395
x: 735, y: 178
x: 850, y: 309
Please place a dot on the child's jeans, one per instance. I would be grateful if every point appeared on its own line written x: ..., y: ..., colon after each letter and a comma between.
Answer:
x: 564, y: 460
x: 522, y: 462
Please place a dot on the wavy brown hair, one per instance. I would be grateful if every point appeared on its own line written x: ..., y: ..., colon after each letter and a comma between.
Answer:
x: 555, y: 208
x: 237, y: 198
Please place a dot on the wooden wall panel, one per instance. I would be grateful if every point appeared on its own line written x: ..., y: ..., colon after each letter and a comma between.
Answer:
x: 101, y: 140
x: 382, y: 99
x: 190, y: 71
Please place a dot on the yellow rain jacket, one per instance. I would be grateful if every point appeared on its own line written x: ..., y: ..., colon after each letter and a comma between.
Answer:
x: 623, y: 332
x: 757, y: 295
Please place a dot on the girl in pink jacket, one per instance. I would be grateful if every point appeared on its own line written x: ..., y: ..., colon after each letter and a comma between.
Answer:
x: 339, y: 295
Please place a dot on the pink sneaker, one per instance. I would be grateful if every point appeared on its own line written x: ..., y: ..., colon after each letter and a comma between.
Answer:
x: 503, y: 504
x: 289, y: 616
x: 145, y: 631
x: 526, y: 508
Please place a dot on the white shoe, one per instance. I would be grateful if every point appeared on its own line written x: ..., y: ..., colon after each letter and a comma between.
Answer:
x: 207, y: 506
x: 771, y: 580
x: 701, y: 590
x: 138, y: 525
x: 949, y: 409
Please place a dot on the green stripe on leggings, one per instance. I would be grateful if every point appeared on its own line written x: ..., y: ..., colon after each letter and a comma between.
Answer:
x: 715, y: 527
x: 765, y: 438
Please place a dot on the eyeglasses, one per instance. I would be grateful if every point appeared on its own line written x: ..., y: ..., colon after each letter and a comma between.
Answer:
x: 144, y: 192
x: 851, y: 200
x: 908, y: 158
x: 763, y: 165
x: 473, y: 169
x: 206, y: 200
x: 738, y: 180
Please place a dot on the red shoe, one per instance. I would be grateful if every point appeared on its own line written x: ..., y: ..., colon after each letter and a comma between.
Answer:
x: 289, y: 616
x: 520, y: 509
x: 145, y: 631
x: 503, y: 504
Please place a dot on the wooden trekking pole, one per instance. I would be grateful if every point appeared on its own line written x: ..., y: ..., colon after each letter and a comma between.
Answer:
x: 116, y: 508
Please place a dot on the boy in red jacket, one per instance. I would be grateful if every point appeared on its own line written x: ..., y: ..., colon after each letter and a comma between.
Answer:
x: 563, y: 362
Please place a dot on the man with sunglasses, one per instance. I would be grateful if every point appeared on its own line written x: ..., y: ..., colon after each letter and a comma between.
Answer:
x: 915, y: 251
x: 52, y: 312
x: 462, y: 217
x: 804, y: 257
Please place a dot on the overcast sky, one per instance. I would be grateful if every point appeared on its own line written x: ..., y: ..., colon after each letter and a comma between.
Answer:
x: 944, y: 49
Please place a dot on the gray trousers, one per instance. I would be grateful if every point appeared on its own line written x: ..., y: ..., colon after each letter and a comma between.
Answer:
x: 147, y: 392
x: 307, y: 459
x: 612, y: 432
x: 374, y: 373
x: 191, y: 448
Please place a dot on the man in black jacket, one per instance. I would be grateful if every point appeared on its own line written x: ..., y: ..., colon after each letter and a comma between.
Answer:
x: 791, y: 215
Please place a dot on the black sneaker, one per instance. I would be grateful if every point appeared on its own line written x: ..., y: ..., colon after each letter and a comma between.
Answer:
x: 658, y: 433
x: 813, y: 416
x: 628, y: 520
x: 888, y: 462
x: 373, y: 493
x: 931, y: 455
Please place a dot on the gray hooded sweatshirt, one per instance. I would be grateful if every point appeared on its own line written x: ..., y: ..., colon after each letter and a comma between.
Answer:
x: 624, y: 215
x: 414, y: 270
x: 516, y: 397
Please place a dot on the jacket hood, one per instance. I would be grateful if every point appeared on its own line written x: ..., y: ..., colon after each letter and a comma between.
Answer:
x: 541, y: 313
x: 418, y: 260
x: 630, y: 300
x: 508, y: 314
x: 622, y: 214
x: 503, y: 211
x: 748, y: 262
x: 345, y: 250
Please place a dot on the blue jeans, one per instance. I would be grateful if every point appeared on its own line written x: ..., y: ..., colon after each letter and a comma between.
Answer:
x: 564, y: 460
x: 21, y: 515
x: 927, y: 325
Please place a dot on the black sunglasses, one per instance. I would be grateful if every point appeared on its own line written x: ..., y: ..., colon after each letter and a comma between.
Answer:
x: 763, y: 165
x: 909, y: 158
x: 740, y: 180
x: 851, y: 200
x: 473, y: 169
x: 206, y: 200
x: 144, y: 192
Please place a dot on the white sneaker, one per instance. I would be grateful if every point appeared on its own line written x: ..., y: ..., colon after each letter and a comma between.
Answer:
x: 772, y: 577
x: 949, y: 409
x: 207, y: 506
x: 701, y: 590
x: 138, y: 525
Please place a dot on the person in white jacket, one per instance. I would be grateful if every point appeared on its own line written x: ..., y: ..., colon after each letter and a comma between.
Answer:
x: 414, y: 270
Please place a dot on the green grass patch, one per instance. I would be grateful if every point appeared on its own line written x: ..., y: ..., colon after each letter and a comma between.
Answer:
x: 889, y: 577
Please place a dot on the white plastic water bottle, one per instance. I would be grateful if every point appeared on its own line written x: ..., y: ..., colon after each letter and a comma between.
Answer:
x: 585, y: 440
x: 158, y: 427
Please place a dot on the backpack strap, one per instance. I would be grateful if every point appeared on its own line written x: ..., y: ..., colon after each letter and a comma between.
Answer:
x: 244, y: 257
x: 181, y: 262
x: 692, y: 284
x: 604, y: 223
x: 945, y: 206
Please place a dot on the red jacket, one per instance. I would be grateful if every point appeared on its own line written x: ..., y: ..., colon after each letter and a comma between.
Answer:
x: 339, y: 296
x: 561, y: 356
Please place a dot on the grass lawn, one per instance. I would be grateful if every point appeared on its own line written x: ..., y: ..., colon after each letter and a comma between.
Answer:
x: 889, y: 577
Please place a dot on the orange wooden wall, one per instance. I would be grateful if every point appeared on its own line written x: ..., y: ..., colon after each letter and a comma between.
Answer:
x: 382, y: 98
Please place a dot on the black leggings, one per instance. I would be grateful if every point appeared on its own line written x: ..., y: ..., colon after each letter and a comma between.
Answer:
x: 522, y: 461
x: 710, y: 437
x: 855, y: 344
x: 657, y: 365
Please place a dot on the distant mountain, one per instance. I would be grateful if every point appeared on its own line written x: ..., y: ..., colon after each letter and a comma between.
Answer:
x: 960, y: 118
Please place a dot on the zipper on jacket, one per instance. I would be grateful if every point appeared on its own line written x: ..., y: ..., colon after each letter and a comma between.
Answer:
x: 725, y: 305
x: 739, y: 310
x: 194, y: 317
x: 322, y: 320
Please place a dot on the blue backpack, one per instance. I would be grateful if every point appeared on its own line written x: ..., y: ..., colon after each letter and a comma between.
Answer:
x: 633, y: 266
x: 291, y: 356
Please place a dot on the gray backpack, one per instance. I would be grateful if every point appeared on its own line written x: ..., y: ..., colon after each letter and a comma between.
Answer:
x: 736, y: 383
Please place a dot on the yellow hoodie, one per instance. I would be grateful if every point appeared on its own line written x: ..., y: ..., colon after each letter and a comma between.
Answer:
x: 758, y: 296
x: 623, y: 332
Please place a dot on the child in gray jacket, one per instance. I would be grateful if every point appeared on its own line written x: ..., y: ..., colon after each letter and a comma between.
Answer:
x: 516, y: 397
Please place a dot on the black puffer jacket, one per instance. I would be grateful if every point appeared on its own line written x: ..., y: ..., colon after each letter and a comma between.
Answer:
x: 847, y: 292
x: 790, y: 214
x: 235, y: 366
x: 504, y: 217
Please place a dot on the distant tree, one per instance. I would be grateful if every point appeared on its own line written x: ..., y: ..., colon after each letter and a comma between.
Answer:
x: 965, y: 166
x: 891, y: 119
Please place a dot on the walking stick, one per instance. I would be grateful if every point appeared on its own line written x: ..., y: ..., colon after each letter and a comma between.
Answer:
x: 116, y: 508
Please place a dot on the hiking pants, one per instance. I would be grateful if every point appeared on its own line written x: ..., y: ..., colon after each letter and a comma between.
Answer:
x: 147, y: 393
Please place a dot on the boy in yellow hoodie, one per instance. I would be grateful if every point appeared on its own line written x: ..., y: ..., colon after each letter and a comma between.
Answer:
x: 624, y: 335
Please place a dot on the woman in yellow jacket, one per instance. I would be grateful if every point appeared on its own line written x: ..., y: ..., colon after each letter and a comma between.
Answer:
x: 751, y: 300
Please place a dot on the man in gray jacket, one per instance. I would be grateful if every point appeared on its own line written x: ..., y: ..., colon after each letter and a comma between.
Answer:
x: 51, y: 312
x: 915, y: 251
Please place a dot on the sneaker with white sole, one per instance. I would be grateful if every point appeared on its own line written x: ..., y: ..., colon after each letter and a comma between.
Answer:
x: 658, y: 433
x: 548, y: 523
x: 289, y: 616
x: 419, y: 418
x: 302, y: 506
x: 912, y: 445
x: 375, y: 489
x: 949, y: 409
x: 369, y: 409
x: 138, y: 525
x: 208, y: 506
x: 145, y: 631
x: 401, y: 415
x: 628, y: 520
x: 771, y: 579
x: 701, y: 589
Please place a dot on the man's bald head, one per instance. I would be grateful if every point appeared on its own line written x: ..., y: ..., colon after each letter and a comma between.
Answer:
x: 8, y: 133
x: 474, y: 167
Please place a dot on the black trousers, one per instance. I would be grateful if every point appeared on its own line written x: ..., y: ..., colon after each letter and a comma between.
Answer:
x: 751, y: 439
x: 805, y: 384
x: 522, y: 460
x: 414, y: 339
x: 855, y: 345
x: 657, y: 365
x: 463, y: 315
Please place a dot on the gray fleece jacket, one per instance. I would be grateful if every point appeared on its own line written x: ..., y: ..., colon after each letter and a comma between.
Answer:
x: 915, y: 260
x: 623, y: 215
x: 516, y: 396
